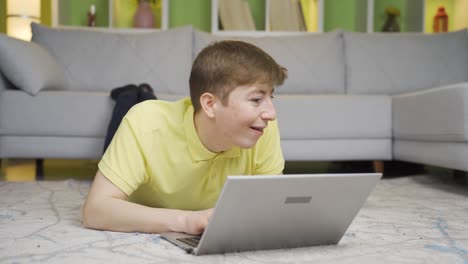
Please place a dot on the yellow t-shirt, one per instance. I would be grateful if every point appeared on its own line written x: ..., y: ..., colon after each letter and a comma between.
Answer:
x: 157, y: 158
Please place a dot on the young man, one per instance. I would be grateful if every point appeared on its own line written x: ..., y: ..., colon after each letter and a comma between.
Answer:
x: 168, y: 161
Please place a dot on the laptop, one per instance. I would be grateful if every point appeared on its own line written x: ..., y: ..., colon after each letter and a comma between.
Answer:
x: 280, y: 211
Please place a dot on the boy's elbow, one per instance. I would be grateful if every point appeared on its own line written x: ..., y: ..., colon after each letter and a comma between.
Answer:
x: 85, y: 218
x: 89, y: 216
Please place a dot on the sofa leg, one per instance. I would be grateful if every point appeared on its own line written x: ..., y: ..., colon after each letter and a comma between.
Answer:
x: 460, y: 177
x: 39, y: 169
x: 378, y: 166
x: 3, y: 168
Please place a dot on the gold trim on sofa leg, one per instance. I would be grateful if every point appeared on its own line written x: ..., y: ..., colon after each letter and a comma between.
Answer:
x: 378, y: 166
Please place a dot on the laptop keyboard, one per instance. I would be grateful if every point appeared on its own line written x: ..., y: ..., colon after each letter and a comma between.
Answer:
x: 192, y: 241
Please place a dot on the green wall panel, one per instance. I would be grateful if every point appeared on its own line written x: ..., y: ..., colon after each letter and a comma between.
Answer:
x: 193, y: 12
x: 46, y: 12
x: 3, y: 16
x: 74, y: 12
x: 414, y: 18
x: 350, y: 15
x: 257, y: 7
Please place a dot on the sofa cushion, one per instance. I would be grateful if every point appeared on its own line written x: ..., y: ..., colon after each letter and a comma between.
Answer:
x: 101, y: 61
x: 432, y: 115
x: 55, y: 113
x: 383, y: 63
x: 29, y: 66
x: 451, y: 155
x: 334, y: 116
x: 49, y: 147
x: 315, y: 62
x: 336, y: 149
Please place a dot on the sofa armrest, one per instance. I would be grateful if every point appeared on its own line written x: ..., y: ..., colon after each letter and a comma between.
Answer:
x: 439, y: 114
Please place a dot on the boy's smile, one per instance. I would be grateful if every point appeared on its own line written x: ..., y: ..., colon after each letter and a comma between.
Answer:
x: 238, y: 123
x: 258, y: 129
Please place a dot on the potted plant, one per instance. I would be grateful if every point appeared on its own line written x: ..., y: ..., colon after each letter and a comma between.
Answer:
x: 391, y: 24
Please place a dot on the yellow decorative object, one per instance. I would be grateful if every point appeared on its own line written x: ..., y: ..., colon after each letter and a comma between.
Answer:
x: 392, y: 11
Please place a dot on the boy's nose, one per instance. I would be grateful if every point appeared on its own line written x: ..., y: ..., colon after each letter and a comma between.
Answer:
x: 269, y: 113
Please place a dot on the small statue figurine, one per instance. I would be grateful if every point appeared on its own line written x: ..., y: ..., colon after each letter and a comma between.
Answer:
x: 391, y: 24
x: 92, y: 16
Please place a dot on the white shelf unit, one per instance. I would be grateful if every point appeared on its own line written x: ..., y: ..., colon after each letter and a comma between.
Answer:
x: 164, y: 13
x: 417, y: 9
x: 417, y: 14
x: 415, y: 19
x: 215, y: 23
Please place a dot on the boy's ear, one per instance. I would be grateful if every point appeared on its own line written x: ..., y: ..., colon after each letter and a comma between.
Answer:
x: 207, y: 102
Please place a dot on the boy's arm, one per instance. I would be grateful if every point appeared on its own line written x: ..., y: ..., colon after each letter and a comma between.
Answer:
x: 107, y: 208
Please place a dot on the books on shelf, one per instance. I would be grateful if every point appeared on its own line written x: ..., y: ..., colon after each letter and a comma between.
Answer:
x: 286, y: 15
x: 236, y: 15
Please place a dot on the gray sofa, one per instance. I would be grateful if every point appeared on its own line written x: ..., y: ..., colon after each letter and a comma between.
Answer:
x: 349, y: 96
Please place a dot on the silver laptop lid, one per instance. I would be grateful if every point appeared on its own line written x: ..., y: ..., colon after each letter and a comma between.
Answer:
x: 286, y: 211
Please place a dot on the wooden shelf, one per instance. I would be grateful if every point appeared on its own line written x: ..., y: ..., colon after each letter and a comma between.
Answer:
x: 319, y: 15
x: 109, y: 13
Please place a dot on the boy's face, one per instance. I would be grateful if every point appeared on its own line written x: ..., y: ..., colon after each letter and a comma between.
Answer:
x: 242, y: 120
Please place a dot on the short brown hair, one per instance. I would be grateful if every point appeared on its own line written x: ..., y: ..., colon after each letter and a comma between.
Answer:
x: 225, y: 65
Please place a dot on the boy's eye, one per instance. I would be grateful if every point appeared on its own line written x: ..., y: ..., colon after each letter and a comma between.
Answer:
x: 256, y: 100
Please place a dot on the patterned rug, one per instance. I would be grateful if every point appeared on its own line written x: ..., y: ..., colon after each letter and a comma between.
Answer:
x: 418, y: 219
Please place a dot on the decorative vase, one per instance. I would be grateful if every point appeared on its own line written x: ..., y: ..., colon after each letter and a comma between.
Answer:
x: 391, y: 24
x: 440, y: 20
x: 144, y: 17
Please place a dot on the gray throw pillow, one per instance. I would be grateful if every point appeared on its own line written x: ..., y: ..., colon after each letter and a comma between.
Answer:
x: 29, y: 66
x: 97, y: 60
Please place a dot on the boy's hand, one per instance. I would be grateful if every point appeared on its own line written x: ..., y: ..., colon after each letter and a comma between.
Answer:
x: 195, y: 222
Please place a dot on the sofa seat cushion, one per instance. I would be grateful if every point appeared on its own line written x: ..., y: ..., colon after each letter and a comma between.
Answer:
x: 58, y: 113
x: 333, y: 116
x: 439, y: 114
x: 65, y: 147
x: 337, y: 149
x: 101, y: 61
x: 315, y: 62
x: 55, y: 113
x: 383, y: 63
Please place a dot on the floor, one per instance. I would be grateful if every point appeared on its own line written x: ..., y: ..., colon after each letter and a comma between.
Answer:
x: 417, y: 219
x: 407, y: 219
